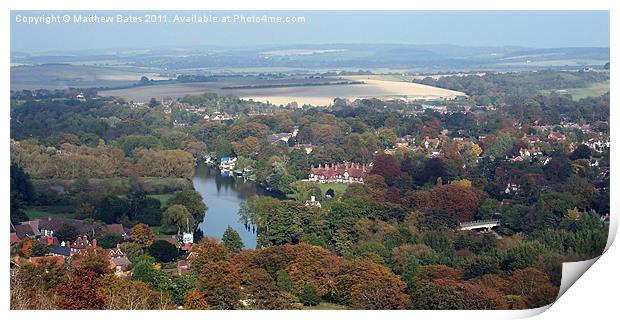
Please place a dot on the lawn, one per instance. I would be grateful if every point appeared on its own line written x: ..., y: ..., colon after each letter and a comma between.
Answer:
x: 49, y: 211
x: 326, y: 306
x: 160, y: 233
x: 594, y: 90
x: 339, y: 188
x: 163, y: 198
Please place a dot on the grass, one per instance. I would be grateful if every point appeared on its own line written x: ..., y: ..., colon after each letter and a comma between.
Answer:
x: 339, y: 188
x: 594, y: 90
x: 326, y: 306
x: 49, y: 211
x: 163, y: 198
x: 161, y: 233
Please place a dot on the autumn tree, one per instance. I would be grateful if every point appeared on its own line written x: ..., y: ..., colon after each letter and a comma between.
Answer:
x: 142, y: 234
x: 206, y: 251
x: 534, y: 285
x: 386, y: 166
x: 219, y: 282
x: 262, y: 290
x: 368, y: 285
x: 194, y: 300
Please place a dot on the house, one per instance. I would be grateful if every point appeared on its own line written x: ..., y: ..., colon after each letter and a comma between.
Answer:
x: 284, y: 137
x: 430, y: 143
x: 339, y: 173
x: 182, y: 266
x: 59, y: 250
x: 118, y: 259
x: 49, y: 225
x: 306, y: 146
x: 511, y: 187
x: 14, y: 238
x: 187, y: 237
x: 556, y: 136
x: 179, y: 123
x: 25, y: 230
x: 228, y: 163
x: 117, y: 228
x: 313, y: 202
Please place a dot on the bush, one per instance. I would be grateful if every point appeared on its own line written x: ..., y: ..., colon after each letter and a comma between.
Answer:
x: 309, y: 296
x: 163, y: 251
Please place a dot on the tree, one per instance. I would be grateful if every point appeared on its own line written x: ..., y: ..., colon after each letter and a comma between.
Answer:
x: 410, y: 270
x: 534, y: 285
x: 194, y: 300
x: 523, y: 255
x: 232, y: 240
x: 219, y: 283
x: 178, y: 217
x: 309, y: 296
x: 247, y: 147
x: 284, y: 282
x: 367, y: 285
x: 206, y: 251
x: 143, y: 271
x: 81, y: 293
x: 111, y: 209
x: 582, y: 152
x: 262, y: 290
x: 132, y: 249
x: 142, y: 234
x: 193, y: 202
x: 66, y: 232
x: 91, y: 259
x: 163, y: 251
x: 109, y: 240
x: 480, y: 265
x: 386, y: 166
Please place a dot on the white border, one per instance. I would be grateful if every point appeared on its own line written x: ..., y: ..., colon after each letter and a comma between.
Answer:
x: 593, y: 295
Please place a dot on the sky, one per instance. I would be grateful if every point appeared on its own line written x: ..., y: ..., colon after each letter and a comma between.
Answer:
x: 535, y: 29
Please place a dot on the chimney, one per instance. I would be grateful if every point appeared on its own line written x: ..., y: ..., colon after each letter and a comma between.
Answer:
x: 95, y: 243
x: 50, y: 241
x: 68, y: 244
x: 312, y: 198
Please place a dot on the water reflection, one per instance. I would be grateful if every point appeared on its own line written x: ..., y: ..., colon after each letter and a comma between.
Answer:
x: 223, y: 195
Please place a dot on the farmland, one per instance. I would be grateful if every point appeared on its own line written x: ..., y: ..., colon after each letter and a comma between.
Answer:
x: 312, y: 92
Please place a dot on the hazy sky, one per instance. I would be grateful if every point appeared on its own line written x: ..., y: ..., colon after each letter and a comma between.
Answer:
x: 540, y: 29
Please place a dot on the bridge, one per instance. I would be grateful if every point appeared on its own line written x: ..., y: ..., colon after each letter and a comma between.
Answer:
x: 480, y: 224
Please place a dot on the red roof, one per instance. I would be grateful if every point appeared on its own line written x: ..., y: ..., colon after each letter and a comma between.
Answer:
x: 14, y: 238
x: 355, y: 170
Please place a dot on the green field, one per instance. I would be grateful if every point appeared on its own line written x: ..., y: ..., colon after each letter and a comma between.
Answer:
x: 326, y: 306
x: 49, y: 211
x: 594, y: 90
x: 339, y: 188
x: 163, y: 198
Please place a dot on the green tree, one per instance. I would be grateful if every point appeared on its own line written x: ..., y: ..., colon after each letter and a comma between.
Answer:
x: 309, y: 296
x: 143, y: 271
x: 232, y: 240
x: 163, y: 251
x: 179, y: 218
x: 192, y: 200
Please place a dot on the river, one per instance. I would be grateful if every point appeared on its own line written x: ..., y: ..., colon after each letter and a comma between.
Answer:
x: 223, y: 196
